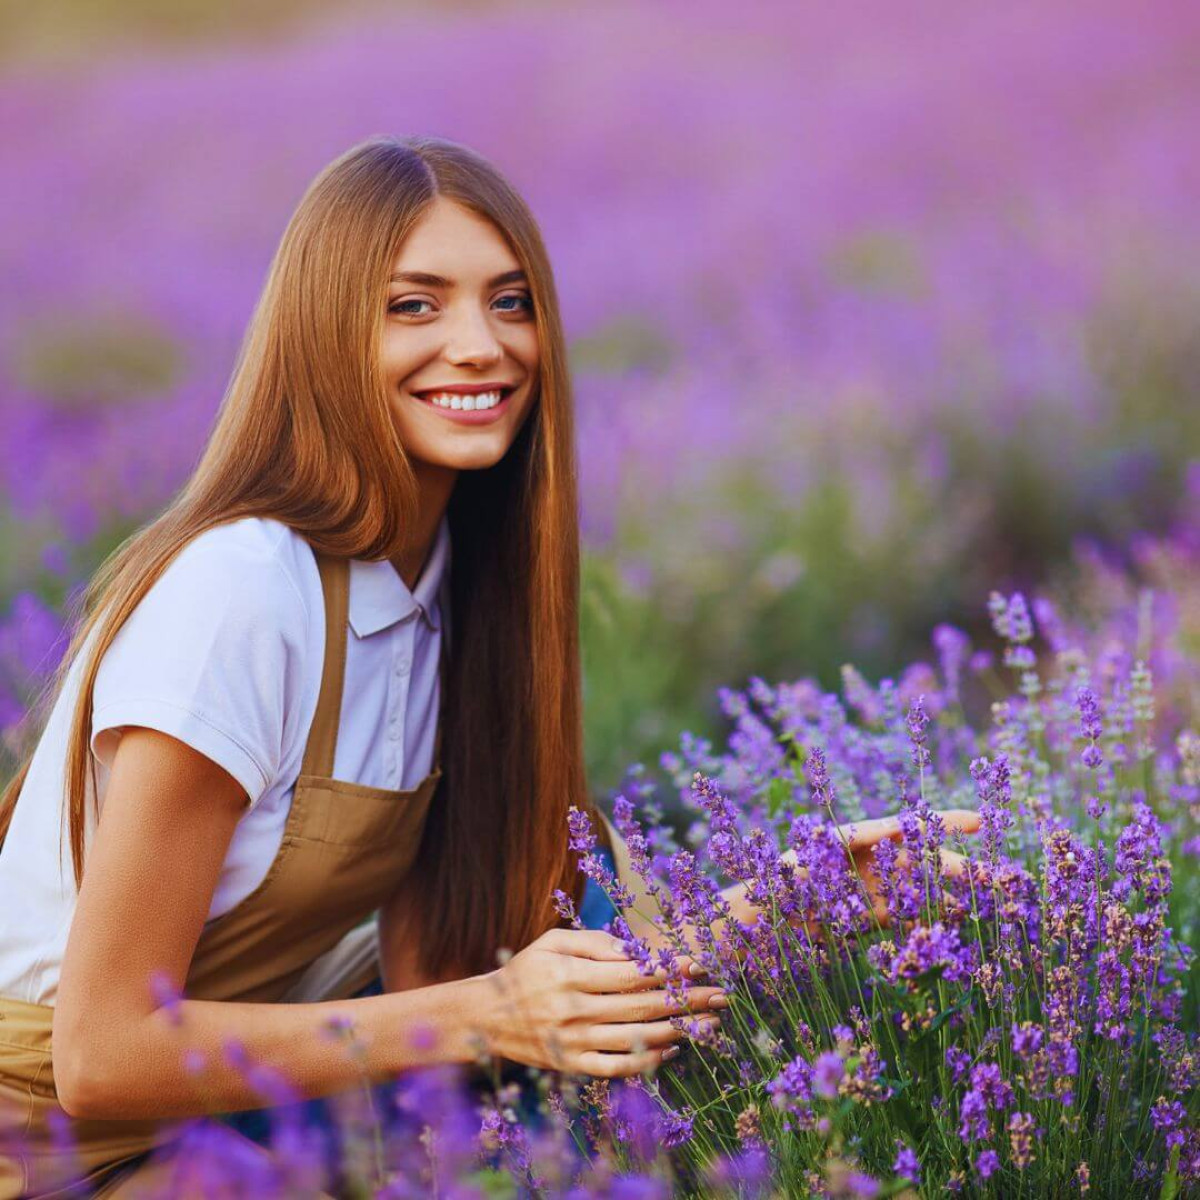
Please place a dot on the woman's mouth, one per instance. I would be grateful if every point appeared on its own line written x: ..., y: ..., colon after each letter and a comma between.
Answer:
x: 480, y: 408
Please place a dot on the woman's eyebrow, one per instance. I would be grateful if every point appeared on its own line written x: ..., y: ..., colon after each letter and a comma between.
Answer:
x: 426, y: 279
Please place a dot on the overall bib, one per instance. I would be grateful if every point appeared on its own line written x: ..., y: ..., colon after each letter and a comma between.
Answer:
x: 345, y: 847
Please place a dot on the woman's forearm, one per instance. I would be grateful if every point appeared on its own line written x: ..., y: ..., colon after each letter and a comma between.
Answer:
x: 149, y: 1069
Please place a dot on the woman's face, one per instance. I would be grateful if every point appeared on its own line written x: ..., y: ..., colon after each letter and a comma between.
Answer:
x: 463, y: 316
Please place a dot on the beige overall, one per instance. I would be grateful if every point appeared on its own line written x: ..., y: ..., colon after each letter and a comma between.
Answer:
x: 344, y: 849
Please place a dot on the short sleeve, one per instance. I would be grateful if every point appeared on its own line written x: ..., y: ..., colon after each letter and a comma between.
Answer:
x: 212, y: 656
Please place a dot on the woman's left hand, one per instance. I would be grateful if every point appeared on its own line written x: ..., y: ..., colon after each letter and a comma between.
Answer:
x: 860, y: 838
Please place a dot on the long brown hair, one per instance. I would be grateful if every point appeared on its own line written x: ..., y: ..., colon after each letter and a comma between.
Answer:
x: 304, y: 435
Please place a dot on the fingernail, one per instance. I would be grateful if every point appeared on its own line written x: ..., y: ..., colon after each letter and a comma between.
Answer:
x: 720, y: 1000
x: 670, y: 1052
x: 696, y: 970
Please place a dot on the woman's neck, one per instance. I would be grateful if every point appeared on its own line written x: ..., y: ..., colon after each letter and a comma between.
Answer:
x: 436, y: 484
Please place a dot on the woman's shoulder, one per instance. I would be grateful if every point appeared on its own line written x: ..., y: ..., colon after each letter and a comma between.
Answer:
x: 219, y: 652
x: 260, y: 558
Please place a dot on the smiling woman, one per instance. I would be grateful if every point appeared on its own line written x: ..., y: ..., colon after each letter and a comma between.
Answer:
x: 250, y: 721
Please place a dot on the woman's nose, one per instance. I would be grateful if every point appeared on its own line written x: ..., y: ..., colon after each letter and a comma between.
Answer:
x: 471, y: 340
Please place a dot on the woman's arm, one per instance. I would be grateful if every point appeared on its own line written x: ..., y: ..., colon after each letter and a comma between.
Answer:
x: 167, y: 822
x: 152, y: 866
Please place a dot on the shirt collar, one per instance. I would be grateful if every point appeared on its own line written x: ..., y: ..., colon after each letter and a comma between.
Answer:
x: 379, y: 597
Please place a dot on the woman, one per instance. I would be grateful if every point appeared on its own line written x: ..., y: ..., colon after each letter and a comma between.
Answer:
x: 302, y: 716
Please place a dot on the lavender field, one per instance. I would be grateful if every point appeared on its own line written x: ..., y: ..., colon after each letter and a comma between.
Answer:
x: 875, y: 313
x: 869, y: 312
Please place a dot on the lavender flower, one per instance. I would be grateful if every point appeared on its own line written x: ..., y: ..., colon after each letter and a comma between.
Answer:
x: 987, y: 1164
x: 917, y: 722
x: 827, y: 1073
x: 1168, y: 1117
x: 1089, y: 726
x: 907, y: 1164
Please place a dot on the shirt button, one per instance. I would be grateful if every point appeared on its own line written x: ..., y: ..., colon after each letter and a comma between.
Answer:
x: 402, y: 665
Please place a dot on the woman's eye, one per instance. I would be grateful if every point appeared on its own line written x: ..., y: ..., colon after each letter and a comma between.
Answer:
x: 522, y: 298
x: 398, y: 306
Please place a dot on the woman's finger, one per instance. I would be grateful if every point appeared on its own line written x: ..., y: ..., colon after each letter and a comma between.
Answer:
x: 584, y: 943
x: 645, y: 1035
x: 649, y: 1006
x: 619, y: 1066
x: 965, y: 820
x: 685, y: 965
x: 861, y: 834
x: 953, y: 864
x: 619, y: 977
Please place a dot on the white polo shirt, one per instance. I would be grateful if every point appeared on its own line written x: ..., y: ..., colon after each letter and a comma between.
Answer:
x: 225, y: 653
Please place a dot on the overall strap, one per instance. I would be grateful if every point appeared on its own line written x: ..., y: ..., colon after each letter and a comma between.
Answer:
x: 322, y: 737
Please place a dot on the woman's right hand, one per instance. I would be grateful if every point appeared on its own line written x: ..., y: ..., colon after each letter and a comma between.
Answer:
x: 573, y: 1001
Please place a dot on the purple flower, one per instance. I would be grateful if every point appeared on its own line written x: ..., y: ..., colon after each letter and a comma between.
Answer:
x: 952, y: 646
x: 791, y: 1090
x: 1089, y: 725
x: 958, y: 1060
x: 917, y: 722
x: 1020, y: 622
x: 675, y: 1128
x: 818, y: 777
x: 987, y: 1164
x: 582, y: 837
x: 564, y: 905
x: 1026, y: 1039
x: 1021, y: 1132
x: 994, y: 788
x: 930, y: 949
x: 1168, y: 1117
x: 980, y: 661
x: 907, y: 1164
x: 634, y: 947
x: 827, y: 1073
x: 1139, y: 861
x: 860, y: 1186
x: 1012, y: 621
x: 989, y: 1090
x: 747, y: 1172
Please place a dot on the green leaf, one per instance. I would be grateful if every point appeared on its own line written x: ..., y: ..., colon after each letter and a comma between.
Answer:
x: 779, y: 795
x: 947, y: 1013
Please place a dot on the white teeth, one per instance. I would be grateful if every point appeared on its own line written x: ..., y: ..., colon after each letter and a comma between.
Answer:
x: 466, y: 403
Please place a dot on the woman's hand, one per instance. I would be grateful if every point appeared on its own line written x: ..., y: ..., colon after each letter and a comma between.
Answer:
x: 860, y: 838
x: 573, y: 1001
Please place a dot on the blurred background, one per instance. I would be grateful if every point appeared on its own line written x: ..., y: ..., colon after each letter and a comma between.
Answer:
x: 871, y: 308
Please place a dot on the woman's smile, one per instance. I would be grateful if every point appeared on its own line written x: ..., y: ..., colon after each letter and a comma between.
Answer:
x: 468, y: 408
